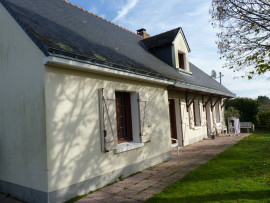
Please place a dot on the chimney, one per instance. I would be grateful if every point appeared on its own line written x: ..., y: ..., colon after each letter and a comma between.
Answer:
x: 142, y: 32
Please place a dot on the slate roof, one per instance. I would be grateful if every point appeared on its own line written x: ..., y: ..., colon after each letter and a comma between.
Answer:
x: 58, y: 27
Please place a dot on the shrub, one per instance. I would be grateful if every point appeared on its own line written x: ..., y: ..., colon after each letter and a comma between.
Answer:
x: 263, y: 118
x: 248, y: 108
x: 232, y: 112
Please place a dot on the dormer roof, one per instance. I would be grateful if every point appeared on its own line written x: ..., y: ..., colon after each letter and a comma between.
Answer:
x: 164, y: 39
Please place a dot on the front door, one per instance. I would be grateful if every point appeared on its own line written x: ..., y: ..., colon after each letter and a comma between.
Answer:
x: 172, y: 118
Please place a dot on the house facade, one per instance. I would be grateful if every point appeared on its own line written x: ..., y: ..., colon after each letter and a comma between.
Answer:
x: 84, y: 101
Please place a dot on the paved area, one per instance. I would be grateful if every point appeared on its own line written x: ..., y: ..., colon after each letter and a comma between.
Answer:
x: 144, y: 185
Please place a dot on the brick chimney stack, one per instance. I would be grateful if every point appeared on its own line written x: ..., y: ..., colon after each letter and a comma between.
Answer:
x: 142, y: 32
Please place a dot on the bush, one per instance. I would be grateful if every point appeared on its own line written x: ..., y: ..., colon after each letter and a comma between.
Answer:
x: 265, y: 102
x: 231, y: 112
x: 248, y: 108
x: 263, y: 118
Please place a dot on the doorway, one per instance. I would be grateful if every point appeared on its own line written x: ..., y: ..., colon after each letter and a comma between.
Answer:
x: 172, y: 119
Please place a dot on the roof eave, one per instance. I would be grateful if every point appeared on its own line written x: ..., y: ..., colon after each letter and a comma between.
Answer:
x: 65, y: 62
x: 203, y: 89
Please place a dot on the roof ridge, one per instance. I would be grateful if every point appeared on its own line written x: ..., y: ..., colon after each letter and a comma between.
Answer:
x: 100, y: 17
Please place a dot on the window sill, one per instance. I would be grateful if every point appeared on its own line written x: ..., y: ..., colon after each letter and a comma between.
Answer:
x: 123, y: 147
x: 184, y: 71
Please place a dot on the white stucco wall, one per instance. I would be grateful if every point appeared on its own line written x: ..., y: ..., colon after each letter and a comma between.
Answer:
x: 193, y: 133
x: 73, y: 137
x: 22, y: 108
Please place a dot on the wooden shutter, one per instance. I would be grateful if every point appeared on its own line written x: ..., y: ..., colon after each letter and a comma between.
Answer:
x: 221, y: 115
x: 108, y: 123
x: 191, y: 117
x: 217, y: 113
x: 202, y: 114
x: 145, y: 122
x: 213, y: 114
x: 184, y: 119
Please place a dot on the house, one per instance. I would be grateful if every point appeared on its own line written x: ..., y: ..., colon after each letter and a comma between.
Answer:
x: 84, y: 101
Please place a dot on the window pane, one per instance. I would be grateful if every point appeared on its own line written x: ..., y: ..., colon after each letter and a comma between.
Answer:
x: 124, y: 121
x: 181, y: 60
x: 121, y: 111
x: 122, y: 133
x: 121, y: 99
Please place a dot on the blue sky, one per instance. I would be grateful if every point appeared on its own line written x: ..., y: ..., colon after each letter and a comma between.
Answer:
x: 159, y: 16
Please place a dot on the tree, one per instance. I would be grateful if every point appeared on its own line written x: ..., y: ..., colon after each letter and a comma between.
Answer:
x: 265, y: 102
x: 244, y: 33
x: 248, y: 108
x: 232, y: 112
x: 263, y: 99
x: 263, y: 118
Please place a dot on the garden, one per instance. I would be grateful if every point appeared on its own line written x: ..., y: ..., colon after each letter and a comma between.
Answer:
x: 239, y: 174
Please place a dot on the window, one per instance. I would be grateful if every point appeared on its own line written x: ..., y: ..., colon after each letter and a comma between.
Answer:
x: 123, y: 116
x: 217, y: 113
x: 181, y: 59
x: 196, y: 112
x: 125, y: 122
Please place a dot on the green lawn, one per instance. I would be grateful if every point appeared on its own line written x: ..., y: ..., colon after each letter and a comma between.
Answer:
x: 239, y: 174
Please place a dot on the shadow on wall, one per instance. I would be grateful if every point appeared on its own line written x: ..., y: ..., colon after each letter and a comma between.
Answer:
x: 71, y: 126
x: 73, y: 137
x: 73, y: 131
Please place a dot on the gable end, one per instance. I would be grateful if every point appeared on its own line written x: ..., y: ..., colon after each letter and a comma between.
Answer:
x: 32, y: 37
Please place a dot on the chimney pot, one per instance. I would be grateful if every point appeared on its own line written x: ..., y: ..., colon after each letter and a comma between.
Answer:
x: 142, y: 32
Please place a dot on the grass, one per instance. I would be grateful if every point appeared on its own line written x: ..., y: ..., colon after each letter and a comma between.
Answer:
x: 239, y: 174
x: 75, y: 199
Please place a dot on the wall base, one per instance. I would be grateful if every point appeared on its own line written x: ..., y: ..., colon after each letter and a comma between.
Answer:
x: 195, y: 139
x: 35, y: 196
x: 23, y: 193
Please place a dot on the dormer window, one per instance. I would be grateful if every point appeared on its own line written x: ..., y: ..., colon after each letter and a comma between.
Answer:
x: 181, y: 60
x: 171, y: 47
